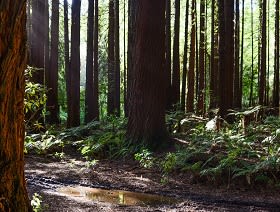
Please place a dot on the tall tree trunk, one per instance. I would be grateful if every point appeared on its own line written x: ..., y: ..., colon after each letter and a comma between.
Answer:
x: 252, y: 52
x: 190, y: 78
x: 262, y: 70
x: 176, y: 56
x: 132, y: 12
x: 96, y: 64
x: 184, y: 77
x: 46, y: 41
x: 117, y: 58
x: 226, y: 54
x: 89, y: 108
x: 13, y: 193
x: 111, y: 61
x: 276, y: 59
x: 52, y: 101
x: 168, y: 53
x: 74, y: 116
x: 146, y: 121
x: 66, y: 57
x: 237, y: 94
x: 201, y: 86
x: 242, y: 54
x: 124, y: 60
x: 214, y: 73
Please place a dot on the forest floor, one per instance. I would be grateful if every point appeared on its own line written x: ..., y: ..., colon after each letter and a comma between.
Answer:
x: 48, y: 176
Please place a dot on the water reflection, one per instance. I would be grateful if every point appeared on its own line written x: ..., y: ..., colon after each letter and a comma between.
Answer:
x: 117, y: 196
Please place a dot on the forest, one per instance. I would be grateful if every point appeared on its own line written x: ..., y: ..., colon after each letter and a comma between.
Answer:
x: 149, y: 105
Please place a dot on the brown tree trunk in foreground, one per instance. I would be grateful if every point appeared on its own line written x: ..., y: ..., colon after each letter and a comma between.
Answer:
x: 13, y: 193
x: 146, y: 120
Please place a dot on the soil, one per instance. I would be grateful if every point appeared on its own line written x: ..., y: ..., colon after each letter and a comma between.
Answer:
x: 46, y: 175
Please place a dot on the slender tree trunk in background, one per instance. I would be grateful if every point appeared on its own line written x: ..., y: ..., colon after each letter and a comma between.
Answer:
x: 124, y: 60
x: 276, y: 59
x: 168, y: 53
x: 13, y: 193
x: 252, y: 52
x: 117, y: 58
x: 176, y: 57
x: 185, y: 59
x: 132, y: 12
x: 46, y: 42
x: 214, y: 73
x: 111, y: 61
x: 52, y: 101
x: 222, y: 57
x: 89, y: 108
x: 37, y: 58
x: 28, y: 28
x: 96, y: 63
x: 66, y: 58
x: 237, y: 94
x: 74, y: 116
x: 201, y: 86
x: 190, y: 78
x: 196, y: 58
x: 268, y: 62
x: 262, y: 70
x: 146, y: 121
x: 242, y: 55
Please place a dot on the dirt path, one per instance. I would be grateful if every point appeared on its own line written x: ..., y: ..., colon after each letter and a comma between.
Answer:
x: 45, y: 175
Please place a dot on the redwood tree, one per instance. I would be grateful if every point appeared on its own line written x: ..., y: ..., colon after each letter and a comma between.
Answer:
x: 89, y: 108
x: 13, y: 193
x: 176, y: 56
x: 276, y: 58
x: 74, y: 110
x: 52, y: 83
x: 146, y: 120
x: 95, y: 65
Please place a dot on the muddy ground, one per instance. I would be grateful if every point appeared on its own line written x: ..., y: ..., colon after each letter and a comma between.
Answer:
x: 46, y: 175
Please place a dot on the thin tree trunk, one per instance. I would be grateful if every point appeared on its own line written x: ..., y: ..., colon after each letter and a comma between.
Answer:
x: 276, y: 59
x: 52, y: 101
x: 201, y: 86
x: 96, y: 64
x: 13, y: 58
x: 190, y: 78
x: 117, y: 58
x: 176, y: 56
x: 237, y: 94
x: 168, y: 53
x: 89, y: 105
x: 111, y: 61
x: 66, y: 58
x: 242, y: 54
x: 74, y: 116
x: 262, y: 71
x: 252, y: 54
x: 184, y: 77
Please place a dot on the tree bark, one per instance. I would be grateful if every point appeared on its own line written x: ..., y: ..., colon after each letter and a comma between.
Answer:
x: 276, y: 58
x: 74, y: 115
x: 183, y: 92
x: 52, y: 101
x: 146, y: 120
x: 191, y: 79
x: 89, y: 108
x: 13, y: 193
x: 111, y: 61
x: 96, y: 64
x: 201, y: 87
x: 176, y: 56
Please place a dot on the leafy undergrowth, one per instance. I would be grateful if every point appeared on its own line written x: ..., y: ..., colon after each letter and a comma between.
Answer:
x: 233, y: 155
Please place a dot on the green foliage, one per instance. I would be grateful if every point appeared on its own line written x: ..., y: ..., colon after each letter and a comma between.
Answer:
x: 36, y: 202
x: 34, y: 100
x: 145, y: 158
x: 42, y: 143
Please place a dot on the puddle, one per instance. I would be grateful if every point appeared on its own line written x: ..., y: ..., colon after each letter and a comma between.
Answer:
x: 117, y: 196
